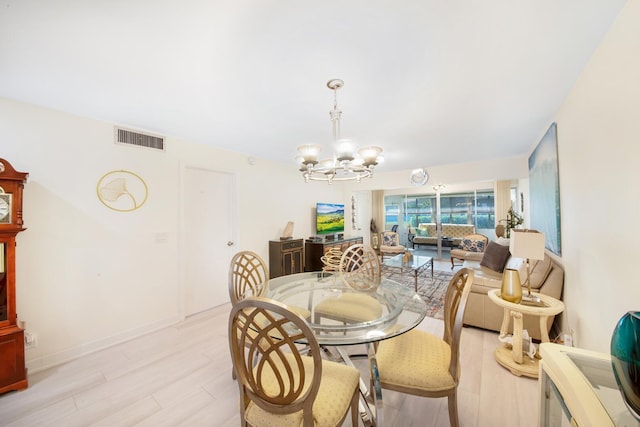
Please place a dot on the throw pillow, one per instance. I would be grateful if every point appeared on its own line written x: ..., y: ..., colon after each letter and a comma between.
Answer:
x: 470, y: 245
x: 390, y: 239
x: 422, y: 232
x: 495, y: 257
x: 539, y: 271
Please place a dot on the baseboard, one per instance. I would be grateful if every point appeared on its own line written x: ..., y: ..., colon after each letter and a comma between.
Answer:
x: 47, y: 361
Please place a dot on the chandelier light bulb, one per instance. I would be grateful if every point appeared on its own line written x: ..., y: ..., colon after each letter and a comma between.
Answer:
x: 370, y: 155
x: 309, y: 153
x: 345, y: 150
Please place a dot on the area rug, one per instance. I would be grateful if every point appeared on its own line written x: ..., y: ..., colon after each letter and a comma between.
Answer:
x: 432, y: 290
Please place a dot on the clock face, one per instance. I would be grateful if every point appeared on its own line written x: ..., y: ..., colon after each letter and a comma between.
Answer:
x: 5, y: 208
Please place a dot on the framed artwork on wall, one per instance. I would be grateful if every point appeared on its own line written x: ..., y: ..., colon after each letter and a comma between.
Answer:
x: 544, y: 188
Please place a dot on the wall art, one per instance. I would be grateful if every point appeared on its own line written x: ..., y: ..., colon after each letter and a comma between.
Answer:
x: 544, y: 188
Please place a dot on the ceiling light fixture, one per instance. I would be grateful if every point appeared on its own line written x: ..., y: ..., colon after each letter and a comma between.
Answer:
x: 347, y: 162
x: 418, y: 177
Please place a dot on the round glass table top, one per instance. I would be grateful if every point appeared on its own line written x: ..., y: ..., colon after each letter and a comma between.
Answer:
x: 341, y: 315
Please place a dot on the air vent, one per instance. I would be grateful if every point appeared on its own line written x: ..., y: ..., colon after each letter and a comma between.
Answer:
x: 129, y: 137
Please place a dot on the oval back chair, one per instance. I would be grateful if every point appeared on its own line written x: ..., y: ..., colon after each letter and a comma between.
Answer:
x: 422, y: 364
x: 248, y: 276
x: 281, y: 382
x: 360, y: 267
x: 360, y: 270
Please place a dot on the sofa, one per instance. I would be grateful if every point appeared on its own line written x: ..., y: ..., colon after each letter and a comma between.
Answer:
x: 426, y: 233
x: 547, y: 277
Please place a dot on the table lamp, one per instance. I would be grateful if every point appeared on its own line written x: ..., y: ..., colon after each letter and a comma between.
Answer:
x: 529, y: 245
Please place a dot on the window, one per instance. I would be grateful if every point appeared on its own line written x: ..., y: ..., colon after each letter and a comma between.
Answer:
x: 420, y: 209
x: 475, y: 208
x: 391, y: 214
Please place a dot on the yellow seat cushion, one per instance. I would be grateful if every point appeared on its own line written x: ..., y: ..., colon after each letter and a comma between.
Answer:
x: 350, y: 307
x: 332, y: 402
x: 303, y: 312
x: 417, y: 360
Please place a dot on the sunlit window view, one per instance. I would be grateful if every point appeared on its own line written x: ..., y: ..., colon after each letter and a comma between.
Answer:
x: 475, y: 208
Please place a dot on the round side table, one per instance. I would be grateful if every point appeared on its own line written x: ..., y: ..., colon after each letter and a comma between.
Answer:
x: 513, y: 359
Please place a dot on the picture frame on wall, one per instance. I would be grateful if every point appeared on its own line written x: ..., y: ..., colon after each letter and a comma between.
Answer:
x: 544, y: 189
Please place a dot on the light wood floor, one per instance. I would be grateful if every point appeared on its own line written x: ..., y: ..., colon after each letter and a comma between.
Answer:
x: 180, y: 376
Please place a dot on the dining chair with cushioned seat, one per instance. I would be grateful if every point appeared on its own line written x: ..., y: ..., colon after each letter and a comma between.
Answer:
x: 248, y: 276
x: 360, y: 270
x: 422, y: 364
x: 360, y: 267
x: 280, y: 383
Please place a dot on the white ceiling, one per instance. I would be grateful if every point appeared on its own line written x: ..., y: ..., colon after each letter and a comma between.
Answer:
x: 431, y: 81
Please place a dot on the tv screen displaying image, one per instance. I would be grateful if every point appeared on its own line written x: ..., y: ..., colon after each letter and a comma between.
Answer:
x: 329, y: 218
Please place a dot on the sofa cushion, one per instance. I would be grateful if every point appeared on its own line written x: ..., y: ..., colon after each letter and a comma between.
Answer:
x: 495, y: 257
x: 422, y: 232
x: 502, y: 241
x: 540, y: 271
x: 472, y: 245
x: 458, y: 231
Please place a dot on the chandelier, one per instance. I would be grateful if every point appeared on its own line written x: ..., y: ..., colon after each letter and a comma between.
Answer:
x: 347, y: 162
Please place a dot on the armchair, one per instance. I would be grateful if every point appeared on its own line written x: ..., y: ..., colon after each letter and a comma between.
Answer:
x: 390, y: 244
x: 471, y: 247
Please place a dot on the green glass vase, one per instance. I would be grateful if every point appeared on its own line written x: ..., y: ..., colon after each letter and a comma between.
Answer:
x: 625, y: 359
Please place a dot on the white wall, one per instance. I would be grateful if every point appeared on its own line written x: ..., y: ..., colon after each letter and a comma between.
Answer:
x: 599, y: 152
x: 87, y: 276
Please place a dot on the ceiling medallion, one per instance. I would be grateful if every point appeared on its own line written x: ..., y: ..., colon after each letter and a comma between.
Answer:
x: 347, y: 162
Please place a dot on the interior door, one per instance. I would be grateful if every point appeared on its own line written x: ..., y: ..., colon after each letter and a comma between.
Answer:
x: 208, y: 244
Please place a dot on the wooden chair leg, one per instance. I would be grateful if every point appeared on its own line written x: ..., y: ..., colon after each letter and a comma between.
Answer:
x: 453, y: 409
x: 355, y: 410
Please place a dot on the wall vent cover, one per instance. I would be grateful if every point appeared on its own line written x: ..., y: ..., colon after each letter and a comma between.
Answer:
x: 130, y: 137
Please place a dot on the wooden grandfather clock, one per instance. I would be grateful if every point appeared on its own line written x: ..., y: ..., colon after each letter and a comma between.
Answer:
x: 13, y: 374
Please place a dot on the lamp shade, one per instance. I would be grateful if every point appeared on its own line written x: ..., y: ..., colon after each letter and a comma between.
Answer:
x: 527, y: 244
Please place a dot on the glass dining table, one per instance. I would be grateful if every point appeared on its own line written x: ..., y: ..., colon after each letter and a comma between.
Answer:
x: 344, y: 315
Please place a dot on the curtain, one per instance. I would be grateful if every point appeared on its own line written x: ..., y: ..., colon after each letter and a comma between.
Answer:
x: 502, y: 200
x: 377, y: 209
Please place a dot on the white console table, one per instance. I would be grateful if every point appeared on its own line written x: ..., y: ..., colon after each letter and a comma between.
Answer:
x: 578, y: 388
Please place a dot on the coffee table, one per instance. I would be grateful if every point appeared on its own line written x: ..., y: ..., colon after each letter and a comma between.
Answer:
x: 417, y: 264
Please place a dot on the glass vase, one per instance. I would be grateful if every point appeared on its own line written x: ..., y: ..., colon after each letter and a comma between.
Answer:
x: 625, y: 359
x: 511, y: 289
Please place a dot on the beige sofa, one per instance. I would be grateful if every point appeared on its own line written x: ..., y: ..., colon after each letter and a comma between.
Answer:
x: 426, y: 233
x: 547, y: 277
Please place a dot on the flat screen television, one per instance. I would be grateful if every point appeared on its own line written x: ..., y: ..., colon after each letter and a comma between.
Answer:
x: 329, y: 218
